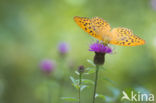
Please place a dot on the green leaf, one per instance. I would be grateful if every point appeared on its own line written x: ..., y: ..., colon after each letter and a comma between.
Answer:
x: 115, y: 92
x: 105, y: 98
x: 99, y: 96
x: 83, y: 87
x: 90, y: 71
x: 75, y: 82
x: 91, y: 62
x: 70, y: 98
x: 87, y: 81
x: 77, y: 72
x: 129, y: 90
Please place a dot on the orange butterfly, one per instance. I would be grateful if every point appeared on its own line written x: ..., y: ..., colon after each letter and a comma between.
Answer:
x: 101, y: 30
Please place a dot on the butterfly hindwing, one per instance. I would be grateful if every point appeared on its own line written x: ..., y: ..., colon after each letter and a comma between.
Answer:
x: 125, y: 37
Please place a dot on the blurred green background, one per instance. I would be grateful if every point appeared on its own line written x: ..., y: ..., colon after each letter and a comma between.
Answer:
x: 30, y: 31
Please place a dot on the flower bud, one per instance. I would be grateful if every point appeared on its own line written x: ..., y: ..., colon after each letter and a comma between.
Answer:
x: 99, y: 58
x: 81, y: 69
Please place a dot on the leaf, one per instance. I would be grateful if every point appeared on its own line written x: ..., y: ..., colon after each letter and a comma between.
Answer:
x: 100, y: 96
x: 75, y: 82
x: 115, y: 92
x: 70, y: 98
x: 105, y: 98
x: 77, y: 72
x: 87, y: 81
x: 90, y: 71
x: 83, y: 87
x: 91, y: 62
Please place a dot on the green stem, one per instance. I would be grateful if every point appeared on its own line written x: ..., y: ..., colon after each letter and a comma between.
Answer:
x: 48, y: 91
x: 62, y: 81
x: 80, y: 76
x: 95, y: 82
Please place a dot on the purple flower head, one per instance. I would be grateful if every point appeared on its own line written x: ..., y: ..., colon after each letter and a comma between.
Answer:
x: 153, y: 4
x: 100, y: 48
x: 63, y: 48
x: 81, y: 69
x: 47, y: 66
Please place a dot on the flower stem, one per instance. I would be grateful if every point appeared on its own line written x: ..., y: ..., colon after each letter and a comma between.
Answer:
x: 62, y: 82
x: 95, y: 82
x: 80, y: 76
x: 48, y: 91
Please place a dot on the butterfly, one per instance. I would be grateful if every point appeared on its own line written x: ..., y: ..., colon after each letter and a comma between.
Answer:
x: 101, y: 30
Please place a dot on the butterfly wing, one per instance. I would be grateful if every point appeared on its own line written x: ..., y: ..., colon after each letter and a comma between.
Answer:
x: 125, y: 37
x: 96, y: 26
x: 86, y: 25
x: 100, y: 24
x: 102, y: 29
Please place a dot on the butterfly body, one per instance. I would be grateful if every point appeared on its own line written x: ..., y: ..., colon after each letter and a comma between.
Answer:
x: 101, y: 30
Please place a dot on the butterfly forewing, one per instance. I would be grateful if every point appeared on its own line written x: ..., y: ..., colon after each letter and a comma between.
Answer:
x: 125, y: 37
x: 99, y: 23
x: 86, y: 25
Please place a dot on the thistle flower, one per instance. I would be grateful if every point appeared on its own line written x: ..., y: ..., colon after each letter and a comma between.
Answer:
x: 63, y: 48
x: 47, y: 66
x: 100, y: 48
x: 100, y: 51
